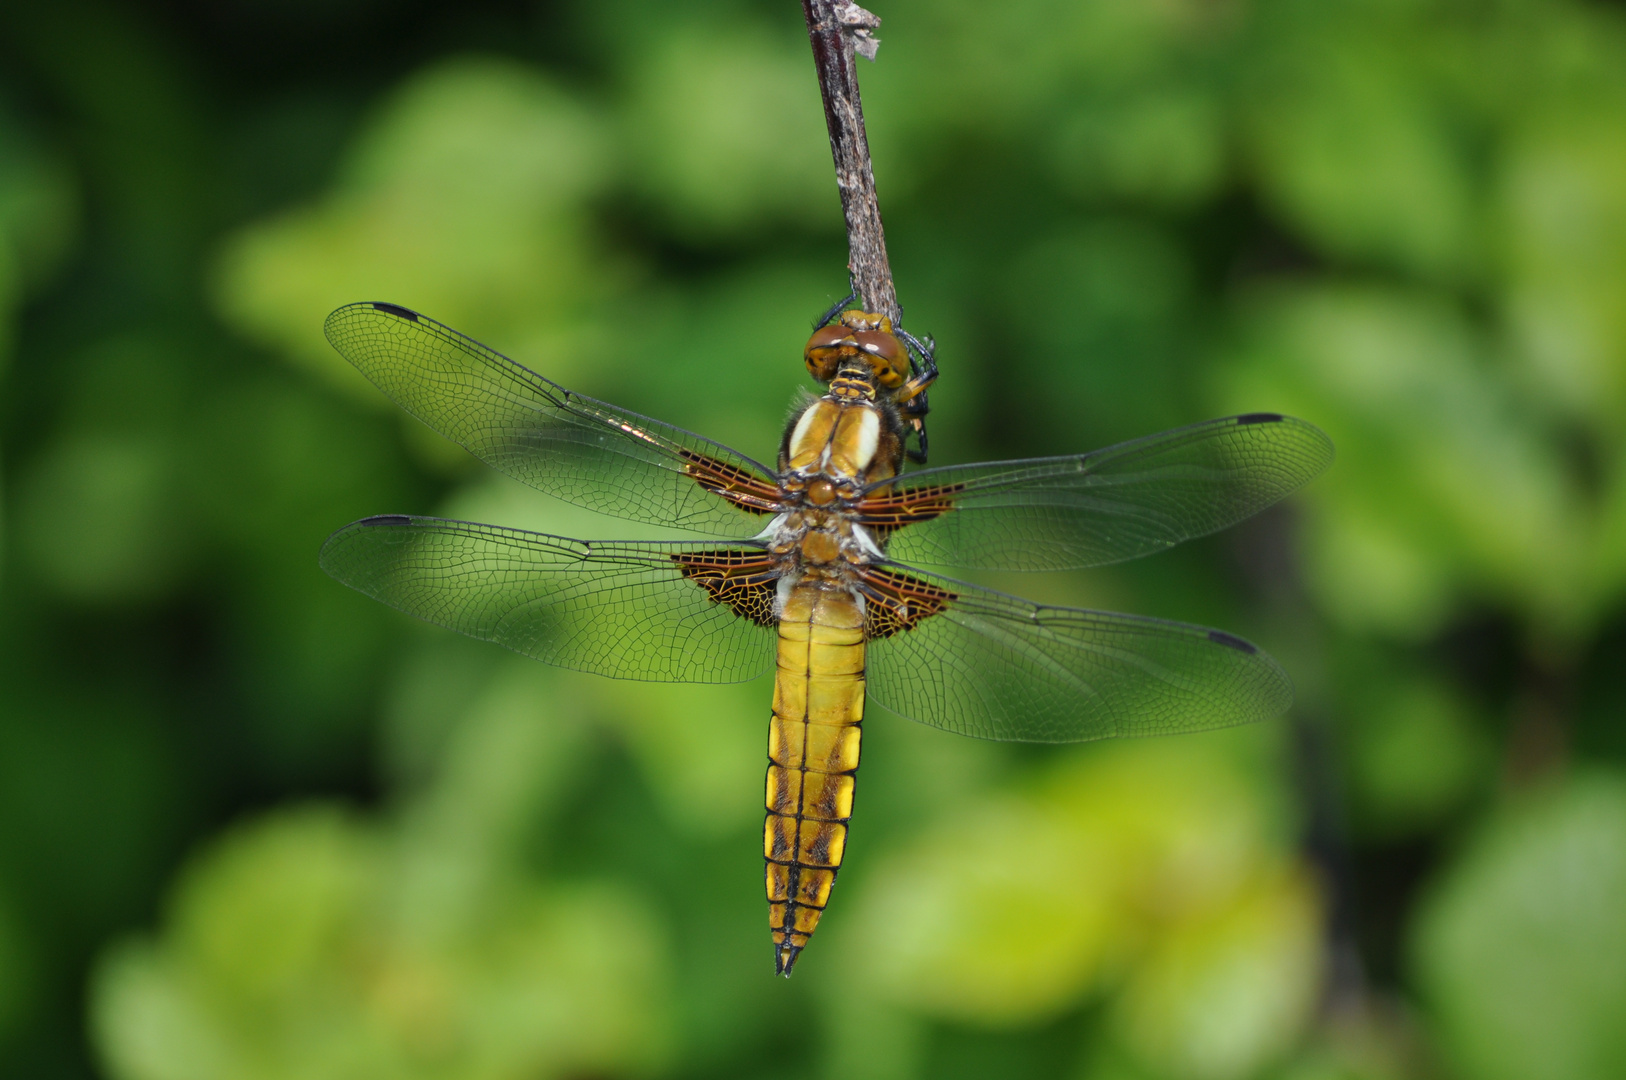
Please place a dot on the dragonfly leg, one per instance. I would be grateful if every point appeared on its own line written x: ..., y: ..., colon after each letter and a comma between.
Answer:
x: 835, y: 309
x: 917, y: 424
x: 911, y: 396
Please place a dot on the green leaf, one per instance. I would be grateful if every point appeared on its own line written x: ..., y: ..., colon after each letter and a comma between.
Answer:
x: 462, y: 199
x: 1521, y: 949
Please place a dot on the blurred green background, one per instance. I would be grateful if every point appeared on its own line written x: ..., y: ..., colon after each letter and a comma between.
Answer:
x: 253, y: 825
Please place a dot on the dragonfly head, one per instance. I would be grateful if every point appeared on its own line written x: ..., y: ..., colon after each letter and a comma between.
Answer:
x: 858, y: 338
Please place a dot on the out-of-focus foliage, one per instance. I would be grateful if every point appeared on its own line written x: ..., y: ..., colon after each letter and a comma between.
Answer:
x: 1523, y: 947
x: 1152, y: 870
x: 37, y: 211
x: 37, y: 206
x: 465, y: 195
x: 719, y: 140
x: 252, y: 825
x: 311, y: 945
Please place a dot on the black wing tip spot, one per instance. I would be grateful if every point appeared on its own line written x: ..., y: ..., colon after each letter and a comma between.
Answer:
x: 397, y: 310
x: 395, y: 520
x: 1261, y: 418
x: 1231, y: 641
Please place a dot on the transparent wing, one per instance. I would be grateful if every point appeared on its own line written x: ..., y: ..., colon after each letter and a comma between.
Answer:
x: 1103, y: 507
x: 581, y: 450
x: 985, y: 664
x: 649, y: 611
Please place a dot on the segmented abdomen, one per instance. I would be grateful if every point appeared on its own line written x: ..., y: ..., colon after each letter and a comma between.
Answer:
x: 818, y: 708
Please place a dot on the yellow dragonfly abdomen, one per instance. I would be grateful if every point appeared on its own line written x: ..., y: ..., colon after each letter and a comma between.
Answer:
x: 818, y: 712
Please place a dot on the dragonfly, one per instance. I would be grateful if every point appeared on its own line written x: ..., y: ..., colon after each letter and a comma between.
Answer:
x: 810, y: 567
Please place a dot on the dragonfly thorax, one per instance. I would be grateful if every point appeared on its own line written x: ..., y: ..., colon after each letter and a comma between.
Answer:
x: 834, y: 447
x: 831, y: 451
x: 814, y: 538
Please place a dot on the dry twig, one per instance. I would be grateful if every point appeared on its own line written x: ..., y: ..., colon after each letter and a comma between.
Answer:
x: 839, y: 29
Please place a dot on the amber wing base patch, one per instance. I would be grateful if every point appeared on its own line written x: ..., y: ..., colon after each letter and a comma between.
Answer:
x: 884, y: 515
x: 741, y: 487
x: 744, y: 581
x: 897, y: 602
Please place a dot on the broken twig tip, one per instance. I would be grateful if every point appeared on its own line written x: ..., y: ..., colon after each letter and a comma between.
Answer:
x: 859, y: 26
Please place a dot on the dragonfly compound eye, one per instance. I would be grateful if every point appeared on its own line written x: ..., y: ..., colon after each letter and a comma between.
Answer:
x: 887, y: 356
x: 825, y: 349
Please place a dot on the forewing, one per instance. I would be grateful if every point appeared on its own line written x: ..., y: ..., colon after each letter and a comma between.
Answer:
x: 1103, y: 507
x: 579, y: 449
x: 649, y: 611
x: 985, y: 664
